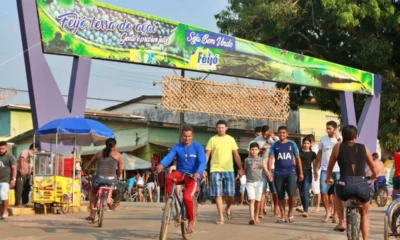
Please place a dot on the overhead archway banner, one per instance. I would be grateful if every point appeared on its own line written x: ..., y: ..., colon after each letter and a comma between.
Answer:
x: 96, y: 30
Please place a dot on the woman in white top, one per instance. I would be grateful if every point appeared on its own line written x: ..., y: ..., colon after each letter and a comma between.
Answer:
x: 140, y: 185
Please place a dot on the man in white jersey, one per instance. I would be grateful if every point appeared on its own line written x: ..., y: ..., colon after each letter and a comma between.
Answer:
x: 324, y: 153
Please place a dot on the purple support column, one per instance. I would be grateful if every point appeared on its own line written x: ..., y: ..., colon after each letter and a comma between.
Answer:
x: 79, y: 84
x: 369, y: 120
x: 347, y: 108
x: 45, y: 97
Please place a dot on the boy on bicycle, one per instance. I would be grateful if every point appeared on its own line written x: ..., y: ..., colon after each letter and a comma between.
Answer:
x: 191, y: 159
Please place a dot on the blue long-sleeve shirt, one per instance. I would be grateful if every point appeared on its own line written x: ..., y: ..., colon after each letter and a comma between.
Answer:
x: 190, y: 159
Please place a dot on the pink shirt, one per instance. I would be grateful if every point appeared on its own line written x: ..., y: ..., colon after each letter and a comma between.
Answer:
x: 26, y: 165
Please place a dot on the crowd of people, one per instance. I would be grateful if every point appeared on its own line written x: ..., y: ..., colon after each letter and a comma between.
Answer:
x: 335, y: 170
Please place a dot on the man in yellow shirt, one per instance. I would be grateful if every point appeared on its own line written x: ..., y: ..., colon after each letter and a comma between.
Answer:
x: 221, y: 147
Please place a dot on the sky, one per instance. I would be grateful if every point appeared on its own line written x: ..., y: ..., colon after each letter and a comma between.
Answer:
x: 110, y: 80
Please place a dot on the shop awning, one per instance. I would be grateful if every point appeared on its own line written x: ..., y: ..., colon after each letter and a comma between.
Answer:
x: 130, y: 162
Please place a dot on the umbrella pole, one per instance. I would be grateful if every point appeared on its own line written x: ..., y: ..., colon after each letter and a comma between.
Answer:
x: 73, y: 174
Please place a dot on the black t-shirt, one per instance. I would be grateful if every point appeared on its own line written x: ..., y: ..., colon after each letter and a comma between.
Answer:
x: 151, y: 178
x: 306, y: 160
x: 6, y: 161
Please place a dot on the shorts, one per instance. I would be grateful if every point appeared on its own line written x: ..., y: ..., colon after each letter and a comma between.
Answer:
x: 381, y: 180
x: 396, y: 183
x: 242, y: 188
x: 150, y: 185
x: 286, y: 183
x: 254, y: 190
x: 269, y: 184
x: 99, y: 181
x: 353, y: 187
x: 222, y: 184
x: 315, y: 184
x: 326, y: 188
x: 4, y: 189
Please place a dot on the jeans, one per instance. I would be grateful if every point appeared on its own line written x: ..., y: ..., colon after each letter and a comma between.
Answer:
x: 22, y: 188
x: 353, y: 187
x: 326, y: 188
x: 304, y: 188
x: 203, y: 192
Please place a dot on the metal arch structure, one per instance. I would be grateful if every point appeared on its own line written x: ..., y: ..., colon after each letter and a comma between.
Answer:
x: 47, y: 102
x: 45, y: 98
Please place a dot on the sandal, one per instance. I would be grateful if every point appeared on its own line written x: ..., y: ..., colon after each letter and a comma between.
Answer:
x: 315, y: 211
x: 251, y: 222
x: 260, y: 216
x: 300, y: 210
x: 337, y: 229
x: 89, y: 218
x: 325, y: 220
x: 291, y: 219
x: 228, y: 215
x: 220, y: 222
x: 188, y: 234
x: 304, y: 214
x: 281, y: 221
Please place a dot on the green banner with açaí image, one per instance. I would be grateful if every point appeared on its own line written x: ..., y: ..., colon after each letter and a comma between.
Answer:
x: 97, y: 30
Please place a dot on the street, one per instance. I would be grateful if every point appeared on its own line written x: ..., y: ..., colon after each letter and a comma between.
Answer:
x: 142, y: 221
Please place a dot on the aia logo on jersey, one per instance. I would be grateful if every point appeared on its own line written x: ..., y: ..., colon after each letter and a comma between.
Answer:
x: 284, y: 156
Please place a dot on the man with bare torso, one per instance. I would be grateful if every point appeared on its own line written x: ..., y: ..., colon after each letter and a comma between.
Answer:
x: 381, y: 177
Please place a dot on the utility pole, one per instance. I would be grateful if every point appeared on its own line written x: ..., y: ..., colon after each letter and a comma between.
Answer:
x: 181, y: 114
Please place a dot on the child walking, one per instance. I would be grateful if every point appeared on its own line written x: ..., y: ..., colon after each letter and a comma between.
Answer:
x: 253, y: 167
x: 307, y: 159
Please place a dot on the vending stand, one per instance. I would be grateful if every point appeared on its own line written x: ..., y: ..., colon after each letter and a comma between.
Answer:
x: 55, y: 179
x: 52, y: 186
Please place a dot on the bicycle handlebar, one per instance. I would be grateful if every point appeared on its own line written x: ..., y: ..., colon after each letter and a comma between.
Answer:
x: 191, y: 175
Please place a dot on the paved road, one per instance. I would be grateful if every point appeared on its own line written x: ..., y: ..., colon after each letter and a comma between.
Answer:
x: 142, y: 221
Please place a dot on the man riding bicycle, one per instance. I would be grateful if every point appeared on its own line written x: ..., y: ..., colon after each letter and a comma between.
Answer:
x: 190, y: 159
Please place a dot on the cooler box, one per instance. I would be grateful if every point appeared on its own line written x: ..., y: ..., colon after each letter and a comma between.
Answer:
x: 68, y: 167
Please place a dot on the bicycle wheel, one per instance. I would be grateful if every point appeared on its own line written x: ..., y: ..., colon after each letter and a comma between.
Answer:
x: 64, y: 208
x: 166, y: 219
x: 116, y: 196
x: 100, y: 211
x: 353, y: 225
x: 395, y: 222
x: 381, y: 197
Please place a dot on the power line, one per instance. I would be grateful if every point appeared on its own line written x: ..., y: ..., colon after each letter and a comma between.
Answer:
x: 89, y: 98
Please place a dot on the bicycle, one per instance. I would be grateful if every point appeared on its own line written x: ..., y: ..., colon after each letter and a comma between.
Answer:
x: 175, y: 209
x: 392, y: 219
x: 101, y: 195
x: 379, y: 193
x: 353, y: 220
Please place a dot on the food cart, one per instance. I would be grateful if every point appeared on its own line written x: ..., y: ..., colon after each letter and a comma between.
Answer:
x: 52, y: 185
x: 55, y: 179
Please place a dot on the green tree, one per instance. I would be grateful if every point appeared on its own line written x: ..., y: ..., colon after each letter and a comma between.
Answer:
x: 363, y: 34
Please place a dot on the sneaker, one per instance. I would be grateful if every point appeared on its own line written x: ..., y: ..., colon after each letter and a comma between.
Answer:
x: 5, y: 215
